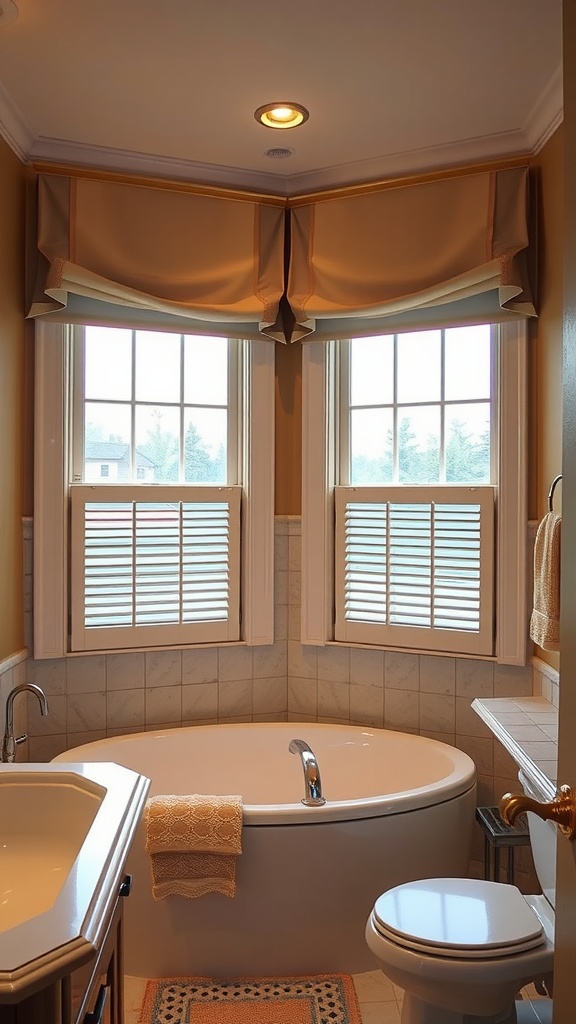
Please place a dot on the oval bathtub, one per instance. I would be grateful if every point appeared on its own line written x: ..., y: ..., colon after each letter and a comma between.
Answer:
x: 398, y: 807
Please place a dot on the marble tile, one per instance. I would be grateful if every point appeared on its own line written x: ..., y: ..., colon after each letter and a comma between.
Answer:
x: 333, y: 700
x: 235, y: 699
x: 163, y: 668
x: 200, y: 665
x: 125, y: 671
x: 401, y: 709
x: 401, y: 671
x: 46, y: 725
x: 301, y: 660
x: 200, y: 702
x: 269, y: 696
x: 85, y: 711
x: 125, y: 709
x: 43, y: 748
x: 270, y: 660
x: 438, y: 712
x: 49, y: 673
x: 302, y: 698
x: 163, y: 704
x: 367, y: 705
x: 234, y: 663
x: 437, y: 675
x: 333, y: 664
x: 367, y: 667
x: 474, y: 678
x: 86, y: 674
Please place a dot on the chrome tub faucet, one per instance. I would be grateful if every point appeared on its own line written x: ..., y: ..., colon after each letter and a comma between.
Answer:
x: 312, y: 781
x: 10, y: 742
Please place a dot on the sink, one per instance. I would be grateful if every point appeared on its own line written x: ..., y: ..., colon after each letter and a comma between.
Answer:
x: 65, y: 834
x: 44, y: 820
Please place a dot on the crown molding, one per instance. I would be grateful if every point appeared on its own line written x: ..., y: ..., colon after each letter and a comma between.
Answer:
x: 14, y: 128
x: 546, y: 114
x: 542, y: 121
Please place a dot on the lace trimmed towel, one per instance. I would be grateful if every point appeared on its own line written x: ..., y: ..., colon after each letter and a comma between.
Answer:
x: 545, y: 619
x: 193, y: 842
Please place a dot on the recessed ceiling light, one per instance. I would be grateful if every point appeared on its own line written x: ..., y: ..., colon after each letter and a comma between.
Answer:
x: 281, y: 115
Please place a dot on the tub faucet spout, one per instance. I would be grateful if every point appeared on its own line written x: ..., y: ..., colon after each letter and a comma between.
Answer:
x: 10, y: 741
x: 312, y: 782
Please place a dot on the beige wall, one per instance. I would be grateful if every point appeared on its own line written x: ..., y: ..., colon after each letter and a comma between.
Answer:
x: 13, y: 418
x: 546, y: 342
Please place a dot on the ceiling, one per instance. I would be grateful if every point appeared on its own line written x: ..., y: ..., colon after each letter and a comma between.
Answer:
x: 169, y: 87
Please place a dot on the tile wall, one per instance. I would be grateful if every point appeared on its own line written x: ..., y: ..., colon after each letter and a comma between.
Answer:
x: 94, y: 696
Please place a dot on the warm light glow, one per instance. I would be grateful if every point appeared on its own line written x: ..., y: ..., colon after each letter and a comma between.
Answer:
x: 281, y: 115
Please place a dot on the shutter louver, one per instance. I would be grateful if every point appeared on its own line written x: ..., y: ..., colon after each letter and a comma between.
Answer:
x: 160, y: 567
x: 415, y: 572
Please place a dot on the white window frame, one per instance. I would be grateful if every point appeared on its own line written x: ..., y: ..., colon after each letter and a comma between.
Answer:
x: 52, y: 474
x: 320, y: 443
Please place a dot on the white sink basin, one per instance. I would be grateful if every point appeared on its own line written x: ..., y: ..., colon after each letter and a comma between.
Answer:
x: 65, y: 834
x: 44, y: 820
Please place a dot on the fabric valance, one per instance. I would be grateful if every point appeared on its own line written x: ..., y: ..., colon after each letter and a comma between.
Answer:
x: 119, y: 252
x: 379, y: 261
x: 370, y: 261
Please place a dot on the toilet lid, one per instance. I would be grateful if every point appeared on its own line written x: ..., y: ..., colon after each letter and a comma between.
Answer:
x: 458, y: 917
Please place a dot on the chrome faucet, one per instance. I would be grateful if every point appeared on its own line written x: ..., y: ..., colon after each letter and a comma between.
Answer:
x: 312, y: 782
x: 10, y: 742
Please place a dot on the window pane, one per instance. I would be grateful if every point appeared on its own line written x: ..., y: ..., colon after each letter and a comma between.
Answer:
x: 468, y: 443
x: 372, y: 371
x: 371, y: 446
x: 106, y: 442
x: 157, y: 445
x: 157, y: 367
x: 419, y: 366
x: 205, y: 371
x: 205, y: 446
x: 467, y: 372
x: 419, y: 445
x: 108, y: 363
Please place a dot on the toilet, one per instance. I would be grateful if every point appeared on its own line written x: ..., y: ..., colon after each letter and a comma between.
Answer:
x: 462, y: 948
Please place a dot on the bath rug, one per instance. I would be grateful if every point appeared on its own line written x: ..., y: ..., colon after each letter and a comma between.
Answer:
x: 320, y: 999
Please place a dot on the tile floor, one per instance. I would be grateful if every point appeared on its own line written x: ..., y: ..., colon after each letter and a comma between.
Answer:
x: 380, y: 1001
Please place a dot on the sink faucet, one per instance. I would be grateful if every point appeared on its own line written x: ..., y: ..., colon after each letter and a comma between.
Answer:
x: 10, y: 742
x: 312, y: 781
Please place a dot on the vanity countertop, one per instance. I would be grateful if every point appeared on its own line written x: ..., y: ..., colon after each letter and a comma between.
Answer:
x: 527, y: 727
x: 66, y: 832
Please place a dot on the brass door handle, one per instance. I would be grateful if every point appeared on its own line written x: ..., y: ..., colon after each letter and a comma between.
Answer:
x: 561, y: 810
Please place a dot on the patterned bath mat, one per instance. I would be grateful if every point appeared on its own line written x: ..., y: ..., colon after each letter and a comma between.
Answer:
x: 323, y: 999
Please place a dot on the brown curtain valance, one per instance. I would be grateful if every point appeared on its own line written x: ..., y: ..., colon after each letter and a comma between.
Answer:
x: 385, y: 260
x: 113, y: 251
x: 441, y: 252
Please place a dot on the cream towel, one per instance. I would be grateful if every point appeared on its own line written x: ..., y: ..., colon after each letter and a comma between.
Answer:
x: 193, y: 842
x: 545, y: 619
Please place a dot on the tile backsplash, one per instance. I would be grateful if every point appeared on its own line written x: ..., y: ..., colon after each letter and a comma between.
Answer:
x: 98, y: 695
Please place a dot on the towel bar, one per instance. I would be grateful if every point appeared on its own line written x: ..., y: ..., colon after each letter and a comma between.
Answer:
x: 555, y: 481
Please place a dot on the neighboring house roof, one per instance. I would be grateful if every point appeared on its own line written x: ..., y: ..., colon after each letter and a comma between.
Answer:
x: 113, y: 451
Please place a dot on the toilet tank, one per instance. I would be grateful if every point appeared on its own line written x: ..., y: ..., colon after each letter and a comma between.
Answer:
x: 543, y: 836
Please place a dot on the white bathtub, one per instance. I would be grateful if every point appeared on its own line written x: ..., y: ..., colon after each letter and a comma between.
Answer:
x: 398, y: 807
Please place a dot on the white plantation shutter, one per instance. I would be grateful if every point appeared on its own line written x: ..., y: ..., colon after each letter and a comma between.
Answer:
x: 154, y: 566
x: 414, y: 567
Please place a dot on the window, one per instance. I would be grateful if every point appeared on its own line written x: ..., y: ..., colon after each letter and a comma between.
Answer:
x: 414, y: 509
x: 152, y: 554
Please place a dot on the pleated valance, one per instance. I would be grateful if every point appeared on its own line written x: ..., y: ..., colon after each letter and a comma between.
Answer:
x: 446, y: 251
x: 124, y: 253
x: 361, y: 262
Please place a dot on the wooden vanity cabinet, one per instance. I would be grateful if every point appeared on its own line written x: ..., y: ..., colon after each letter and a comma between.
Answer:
x: 92, y: 994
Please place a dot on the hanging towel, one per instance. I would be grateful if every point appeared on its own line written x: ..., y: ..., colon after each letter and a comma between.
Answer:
x: 545, y: 619
x: 193, y: 842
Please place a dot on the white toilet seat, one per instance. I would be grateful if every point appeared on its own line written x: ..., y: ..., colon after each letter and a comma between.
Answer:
x: 460, y: 918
